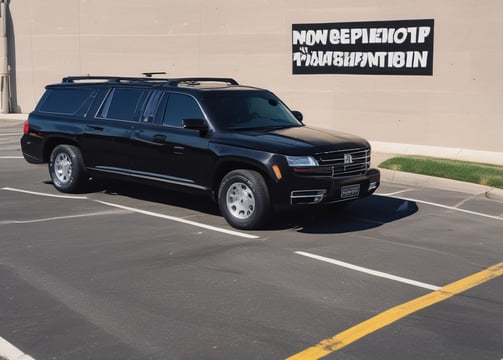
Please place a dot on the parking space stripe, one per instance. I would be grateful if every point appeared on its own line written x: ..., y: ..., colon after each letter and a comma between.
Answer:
x: 182, y: 220
x: 96, y: 213
x: 369, y: 271
x: 45, y: 194
x: 395, y: 193
x: 451, y: 208
x: 10, y: 352
x: 149, y: 213
x: 455, y: 207
x: 396, y: 313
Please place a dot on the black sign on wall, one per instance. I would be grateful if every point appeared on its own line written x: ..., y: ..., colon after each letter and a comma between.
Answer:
x: 400, y: 47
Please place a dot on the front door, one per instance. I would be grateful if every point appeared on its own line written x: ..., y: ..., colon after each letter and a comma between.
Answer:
x: 164, y: 151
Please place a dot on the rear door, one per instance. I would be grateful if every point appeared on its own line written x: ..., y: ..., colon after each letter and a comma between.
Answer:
x: 163, y: 150
x: 107, y: 131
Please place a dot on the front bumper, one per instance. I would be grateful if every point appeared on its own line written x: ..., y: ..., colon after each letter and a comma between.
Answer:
x: 317, y: 190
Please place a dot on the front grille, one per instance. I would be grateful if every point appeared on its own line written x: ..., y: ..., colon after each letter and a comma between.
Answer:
x: 345, y: 162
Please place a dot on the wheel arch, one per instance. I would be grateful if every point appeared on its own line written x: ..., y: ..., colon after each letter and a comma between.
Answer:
x: 227, y: 165
x: 54, y: 141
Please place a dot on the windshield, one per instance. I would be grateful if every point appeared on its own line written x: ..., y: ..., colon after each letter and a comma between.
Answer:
x: 249, y: 110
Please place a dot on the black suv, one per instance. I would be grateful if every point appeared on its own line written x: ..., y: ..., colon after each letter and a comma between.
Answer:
x: 241, y: 145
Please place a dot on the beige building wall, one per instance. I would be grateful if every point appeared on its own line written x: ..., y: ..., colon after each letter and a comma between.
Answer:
x: 460, y: 106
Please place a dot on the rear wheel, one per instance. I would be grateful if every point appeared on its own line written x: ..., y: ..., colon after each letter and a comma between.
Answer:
x: 243, y: 199
x: 66, y: 168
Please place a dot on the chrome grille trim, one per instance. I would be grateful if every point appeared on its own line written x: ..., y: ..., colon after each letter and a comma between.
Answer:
x: 345, y: 162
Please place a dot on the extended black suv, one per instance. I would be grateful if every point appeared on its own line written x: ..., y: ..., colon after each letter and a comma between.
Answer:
x: 241, y: 145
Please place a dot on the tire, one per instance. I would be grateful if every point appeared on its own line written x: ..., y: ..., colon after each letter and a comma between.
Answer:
x: 66, y: 168
x: 243, y: 199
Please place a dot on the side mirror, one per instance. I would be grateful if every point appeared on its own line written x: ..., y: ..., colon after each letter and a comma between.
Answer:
x: 195, y: 124
x: 298, y: 115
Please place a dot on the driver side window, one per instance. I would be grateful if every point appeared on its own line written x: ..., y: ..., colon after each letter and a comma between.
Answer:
x: 181, y: 107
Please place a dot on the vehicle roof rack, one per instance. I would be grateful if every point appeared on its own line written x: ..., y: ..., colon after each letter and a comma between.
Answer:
x: 149, y: 74
x: 112, y: 79
x: 188, y: 81
x: 198, y: 80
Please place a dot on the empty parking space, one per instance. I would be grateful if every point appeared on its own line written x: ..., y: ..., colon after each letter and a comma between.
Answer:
x: 132, y: 272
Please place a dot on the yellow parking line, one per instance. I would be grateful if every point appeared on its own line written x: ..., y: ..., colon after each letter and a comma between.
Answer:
x: 396, y: 313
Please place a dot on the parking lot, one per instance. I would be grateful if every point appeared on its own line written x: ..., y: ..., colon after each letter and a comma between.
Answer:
x: 130, y: 272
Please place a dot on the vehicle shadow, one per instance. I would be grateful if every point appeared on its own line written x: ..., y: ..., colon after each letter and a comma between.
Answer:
x: 155, y: 194
x: 363, y: 214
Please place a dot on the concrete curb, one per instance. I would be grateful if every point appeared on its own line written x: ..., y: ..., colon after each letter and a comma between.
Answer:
x: 400, y: 177
x: 8, y: 120
x: 13, y: 117
x: 495, y: 194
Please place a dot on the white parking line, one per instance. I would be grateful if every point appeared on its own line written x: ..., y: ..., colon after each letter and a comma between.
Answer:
x: 395, y: 193
x: 96, y: 213
x: 369, y: 271
x: 182, y: 220
x: 10, y: 352
x: 451, y: 208
x: 455, y: 207
x: 144, y: 212
x: 11, y: 157
x: 45, y: 194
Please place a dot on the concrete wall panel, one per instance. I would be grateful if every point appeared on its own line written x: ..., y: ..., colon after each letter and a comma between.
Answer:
x: 459, y: 106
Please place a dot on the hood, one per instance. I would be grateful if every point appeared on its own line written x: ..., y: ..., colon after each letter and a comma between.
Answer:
x: 302, y: 140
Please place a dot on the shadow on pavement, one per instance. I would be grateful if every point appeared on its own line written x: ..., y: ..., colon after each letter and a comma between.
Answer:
x: 359, y: 215
x: 155, y: 194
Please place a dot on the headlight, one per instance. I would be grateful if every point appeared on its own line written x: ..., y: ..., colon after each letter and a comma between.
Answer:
x: 300, y: 161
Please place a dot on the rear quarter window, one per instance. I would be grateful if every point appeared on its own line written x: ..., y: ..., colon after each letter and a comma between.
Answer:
x: 65, y: 101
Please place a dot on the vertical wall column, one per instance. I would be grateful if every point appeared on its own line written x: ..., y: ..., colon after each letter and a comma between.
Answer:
x: 4, y: 66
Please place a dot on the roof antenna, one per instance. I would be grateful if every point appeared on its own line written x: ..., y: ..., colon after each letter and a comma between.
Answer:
x: 149, y: 74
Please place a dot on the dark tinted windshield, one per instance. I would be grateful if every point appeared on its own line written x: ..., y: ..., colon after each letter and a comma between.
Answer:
x: 247, y: 110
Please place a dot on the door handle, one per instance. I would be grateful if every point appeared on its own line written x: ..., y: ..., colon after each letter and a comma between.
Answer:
x: 95, y: 128
x: 178, y: 150
x: 159, y: 138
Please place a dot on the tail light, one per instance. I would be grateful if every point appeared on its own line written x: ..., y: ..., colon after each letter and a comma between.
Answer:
x: 26, y: 127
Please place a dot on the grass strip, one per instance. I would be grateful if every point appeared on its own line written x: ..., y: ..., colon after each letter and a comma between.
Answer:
x: 488, y: 175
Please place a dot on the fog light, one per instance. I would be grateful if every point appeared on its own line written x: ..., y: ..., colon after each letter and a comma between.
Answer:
x: 373, y: 185
x: 307, y: 196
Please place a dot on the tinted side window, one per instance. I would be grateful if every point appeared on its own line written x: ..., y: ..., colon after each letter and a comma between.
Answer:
x: 181, y: 107
x: 121, y: 104
x: 65, y: 101
x: 153, y: 102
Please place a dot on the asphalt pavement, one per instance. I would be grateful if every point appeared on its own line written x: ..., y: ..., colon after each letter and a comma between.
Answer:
x: 135, y: 273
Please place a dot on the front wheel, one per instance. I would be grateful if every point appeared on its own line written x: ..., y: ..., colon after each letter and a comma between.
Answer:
x: 243, y: 199
x: 66, y: 168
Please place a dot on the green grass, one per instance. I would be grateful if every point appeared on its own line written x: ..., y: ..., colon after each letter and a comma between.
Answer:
x: 489, y: 175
